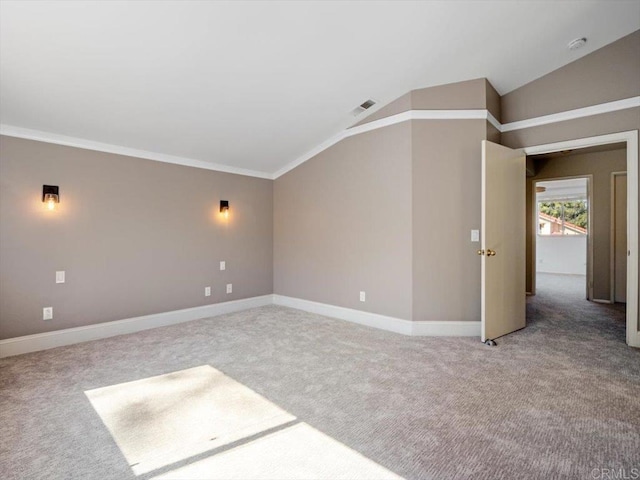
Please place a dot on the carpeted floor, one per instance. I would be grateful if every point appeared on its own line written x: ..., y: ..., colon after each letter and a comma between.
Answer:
x: 559, y: 399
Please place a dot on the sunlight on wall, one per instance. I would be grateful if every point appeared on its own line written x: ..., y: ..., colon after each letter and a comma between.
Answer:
x: 200, y: 423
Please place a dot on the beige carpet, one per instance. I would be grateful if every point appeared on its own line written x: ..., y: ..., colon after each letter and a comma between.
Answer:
x: 278, y: 393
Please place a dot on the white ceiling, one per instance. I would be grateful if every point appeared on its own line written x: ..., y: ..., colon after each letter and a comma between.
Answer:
x: 256, y: 85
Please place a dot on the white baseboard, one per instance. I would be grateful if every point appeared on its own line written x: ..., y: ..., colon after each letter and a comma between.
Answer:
x: 375, y: 320
x: 383, y: 322
x: 69, y: 336
x: 601, y: 300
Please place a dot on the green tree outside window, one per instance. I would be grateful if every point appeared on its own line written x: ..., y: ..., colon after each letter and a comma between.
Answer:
x: 563, y: 218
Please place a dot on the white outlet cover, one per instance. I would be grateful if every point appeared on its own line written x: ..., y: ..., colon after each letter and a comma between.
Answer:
x: 60, y: 276
x: 229, y: 288
x: 475, y: 235
x: 207, y: 291
x: 223, y: 265
x: 363, y: 296
x: 47, y: 313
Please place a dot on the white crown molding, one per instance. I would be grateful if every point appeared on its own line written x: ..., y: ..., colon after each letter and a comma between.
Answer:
x: 310, y: 154
x: 383, y: 322
x: 19, y: 132
x: 420, y: 115
x: 475, y: 114
x: 494, y: 121
x: 69, y: 336
x: 573, y: 114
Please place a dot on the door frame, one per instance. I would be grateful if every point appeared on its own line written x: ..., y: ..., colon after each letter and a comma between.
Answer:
x: 612, y: 235
x: 631, y: 140
x: 534, y: 231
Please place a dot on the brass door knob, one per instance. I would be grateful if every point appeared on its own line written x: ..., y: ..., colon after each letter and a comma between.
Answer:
x: 491, y: 253
x: 480, y: 252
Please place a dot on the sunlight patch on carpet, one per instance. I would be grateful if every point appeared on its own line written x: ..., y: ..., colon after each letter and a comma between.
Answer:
x: 161, y: 420
x: 296, y: 452
x: 199, y: 423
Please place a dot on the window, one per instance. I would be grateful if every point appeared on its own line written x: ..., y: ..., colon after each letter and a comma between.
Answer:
x: 563, y: 217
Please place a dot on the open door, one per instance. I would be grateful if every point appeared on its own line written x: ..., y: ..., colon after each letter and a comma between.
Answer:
x: 503, y: 241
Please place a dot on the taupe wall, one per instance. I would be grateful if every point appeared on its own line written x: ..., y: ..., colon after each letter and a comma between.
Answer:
x: 600, y: 165
x: 608, y: 74
x: 446, y: 207
x: 611, y: 73
x: 342, y: 224
x: 389, y: 212
x: 134, y: 236
x: 467, y: 95
x: 470, y: 94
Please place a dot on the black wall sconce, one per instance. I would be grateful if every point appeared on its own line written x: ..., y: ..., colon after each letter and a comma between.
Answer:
x: 224, y: 208
x: 50, y: 196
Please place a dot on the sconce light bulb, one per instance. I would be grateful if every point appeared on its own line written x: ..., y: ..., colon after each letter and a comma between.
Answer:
x: 50, y: 196
x: 226, y: 213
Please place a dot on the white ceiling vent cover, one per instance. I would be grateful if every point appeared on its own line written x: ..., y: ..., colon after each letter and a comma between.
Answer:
x: 364, y: 106
x: 577, y: 43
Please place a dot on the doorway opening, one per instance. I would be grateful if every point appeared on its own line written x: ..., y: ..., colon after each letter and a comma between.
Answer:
x: 563, y: 237
x: 582, y: 228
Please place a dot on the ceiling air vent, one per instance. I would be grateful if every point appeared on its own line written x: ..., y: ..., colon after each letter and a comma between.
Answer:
x: 365, y: 106
x: 577, y: 43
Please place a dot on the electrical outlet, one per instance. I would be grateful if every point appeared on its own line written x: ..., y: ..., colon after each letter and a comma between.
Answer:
x: 229, y: 288
x: 207, y: 291
x: 60, y: 276
x: 363, y: 296
x: 223, y: 265
x: 47, y: 313
x: 475, y: 235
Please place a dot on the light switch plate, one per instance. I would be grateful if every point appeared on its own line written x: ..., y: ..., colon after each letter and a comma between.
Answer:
x: 47, y: 313
x: 475, y: 235
x: 60, y: 276
x: 223, y: 265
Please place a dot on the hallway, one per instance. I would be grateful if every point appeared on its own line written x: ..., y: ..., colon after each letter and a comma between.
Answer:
x: 561, y: 309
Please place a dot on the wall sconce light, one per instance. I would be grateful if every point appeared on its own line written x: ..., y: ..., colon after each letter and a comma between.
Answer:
x: 224, y: 208
x: 50, y: 196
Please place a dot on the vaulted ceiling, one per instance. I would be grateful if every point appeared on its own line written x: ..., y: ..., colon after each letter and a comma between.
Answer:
x: 255, y: 85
